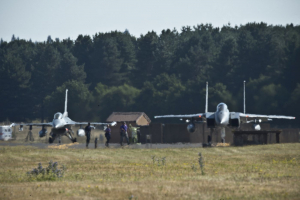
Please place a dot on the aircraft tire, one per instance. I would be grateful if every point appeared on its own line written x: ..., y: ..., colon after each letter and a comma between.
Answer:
x: 74, y: 140
x: 50, y: 140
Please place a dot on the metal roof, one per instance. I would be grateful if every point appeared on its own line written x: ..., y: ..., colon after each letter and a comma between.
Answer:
x: 127, y: 117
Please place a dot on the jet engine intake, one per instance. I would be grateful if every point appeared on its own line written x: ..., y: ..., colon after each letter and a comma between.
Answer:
x: 42, y: 133
x: 235, y: 122
x: 191, y: 127
x: 80, y: 132
x: 234, y: 119
x: 210, y: 122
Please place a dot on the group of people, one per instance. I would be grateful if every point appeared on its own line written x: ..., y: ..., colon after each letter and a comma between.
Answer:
x: 123, y: 133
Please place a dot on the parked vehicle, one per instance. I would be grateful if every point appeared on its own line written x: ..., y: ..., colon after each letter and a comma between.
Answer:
x: 5, y: 133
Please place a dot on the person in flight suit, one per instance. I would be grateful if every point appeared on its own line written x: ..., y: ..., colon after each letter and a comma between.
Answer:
x: 123, y: 133
x: 107, y: 135
x: 88, y: 130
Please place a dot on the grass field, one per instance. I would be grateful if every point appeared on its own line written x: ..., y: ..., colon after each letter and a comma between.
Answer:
x: 252, y: 172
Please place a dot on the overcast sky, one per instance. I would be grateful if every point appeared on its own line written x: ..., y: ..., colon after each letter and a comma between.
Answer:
x: 36, y: 19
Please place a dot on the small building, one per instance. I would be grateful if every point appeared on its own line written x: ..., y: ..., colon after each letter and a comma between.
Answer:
x: 134, y: 118
x: 131, y: 118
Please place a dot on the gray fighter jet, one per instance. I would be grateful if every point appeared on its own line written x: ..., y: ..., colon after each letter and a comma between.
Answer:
x: 222, y: 118
x: 61, y: 125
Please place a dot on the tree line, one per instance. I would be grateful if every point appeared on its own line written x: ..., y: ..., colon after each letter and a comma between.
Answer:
x: 163, y: 73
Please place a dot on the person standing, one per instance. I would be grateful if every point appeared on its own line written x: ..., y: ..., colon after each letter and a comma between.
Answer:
x: 107, y: 135
x: 88, y: 134
x: 123, y: 133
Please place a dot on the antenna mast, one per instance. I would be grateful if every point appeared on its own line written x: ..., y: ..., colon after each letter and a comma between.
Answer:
x: 206, y: 104
x: 244, y: 97
x: 66, y: 101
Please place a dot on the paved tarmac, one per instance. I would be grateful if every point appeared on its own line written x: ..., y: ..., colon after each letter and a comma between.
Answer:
x: 92, y: 145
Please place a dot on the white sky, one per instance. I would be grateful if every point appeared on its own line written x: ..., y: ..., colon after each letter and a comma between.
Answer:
x: 36, y: 19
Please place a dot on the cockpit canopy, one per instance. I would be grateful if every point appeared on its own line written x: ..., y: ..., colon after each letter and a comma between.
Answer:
x: 221, y: 106
x: 57, y: 115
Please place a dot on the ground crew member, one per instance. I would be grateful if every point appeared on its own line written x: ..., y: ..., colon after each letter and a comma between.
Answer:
x: 88, y: 134
x: 107, y: 135
x: 123, y: 133
x: 138, y: 135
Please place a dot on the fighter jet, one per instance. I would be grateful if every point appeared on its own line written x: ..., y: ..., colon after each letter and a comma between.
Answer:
x: 222, y: 118
x: 61, y: 125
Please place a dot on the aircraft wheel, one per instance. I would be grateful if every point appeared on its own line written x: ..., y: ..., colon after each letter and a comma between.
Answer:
x: 50, y: 140
x: 74, y: 140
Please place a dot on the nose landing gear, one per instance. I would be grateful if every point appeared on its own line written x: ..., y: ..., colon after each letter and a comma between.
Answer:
x: 70, y: 134
x: 51, y: 137
x: 223, y: 135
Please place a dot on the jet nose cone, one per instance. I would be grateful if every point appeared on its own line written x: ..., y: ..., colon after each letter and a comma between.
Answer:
x: 58, y: 126
x: 223, y: 118
x: 223, y: 121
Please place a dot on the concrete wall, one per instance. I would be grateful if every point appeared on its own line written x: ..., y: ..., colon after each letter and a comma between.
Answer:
x: 249, y: 127
x: 289, y: 136
x: 155, y: 130
x: 174, y: 133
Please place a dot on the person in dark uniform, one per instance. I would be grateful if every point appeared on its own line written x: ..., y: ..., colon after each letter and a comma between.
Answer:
x: 107, y: 135
x: 123, y: 133
x: 88, y: 134
x: 139, y: 135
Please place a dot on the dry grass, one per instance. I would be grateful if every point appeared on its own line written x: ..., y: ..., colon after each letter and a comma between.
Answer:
x: 253, y: 172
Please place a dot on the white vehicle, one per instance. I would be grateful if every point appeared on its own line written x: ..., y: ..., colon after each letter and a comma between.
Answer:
x: 5, y: 133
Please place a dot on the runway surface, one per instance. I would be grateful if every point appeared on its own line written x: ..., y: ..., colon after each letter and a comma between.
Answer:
x: 92, y: 145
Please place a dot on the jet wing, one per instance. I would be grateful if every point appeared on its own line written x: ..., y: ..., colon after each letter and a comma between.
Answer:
x: 93, y: 123
x: 265, y: 117
x: 34, y: 124
x: 199, y: 115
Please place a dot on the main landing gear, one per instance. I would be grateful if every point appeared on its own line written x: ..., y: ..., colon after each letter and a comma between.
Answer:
x: 57, y: 133
x: 209, y: 137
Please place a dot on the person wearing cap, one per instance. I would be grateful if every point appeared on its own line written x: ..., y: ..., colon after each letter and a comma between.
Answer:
x: 123, y: 133
x: 107, y: 135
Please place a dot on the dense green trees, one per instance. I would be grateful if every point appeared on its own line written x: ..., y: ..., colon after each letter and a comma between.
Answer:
x: 113, y: 99
x: 157, y: 73
x: 79, y: 101
x: 15, y: 75
x: 162, y: 95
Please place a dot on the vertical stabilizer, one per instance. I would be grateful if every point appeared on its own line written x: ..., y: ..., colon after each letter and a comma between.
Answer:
x: 206, y: 103
x: 244, y: 97
x: 66, y: 103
